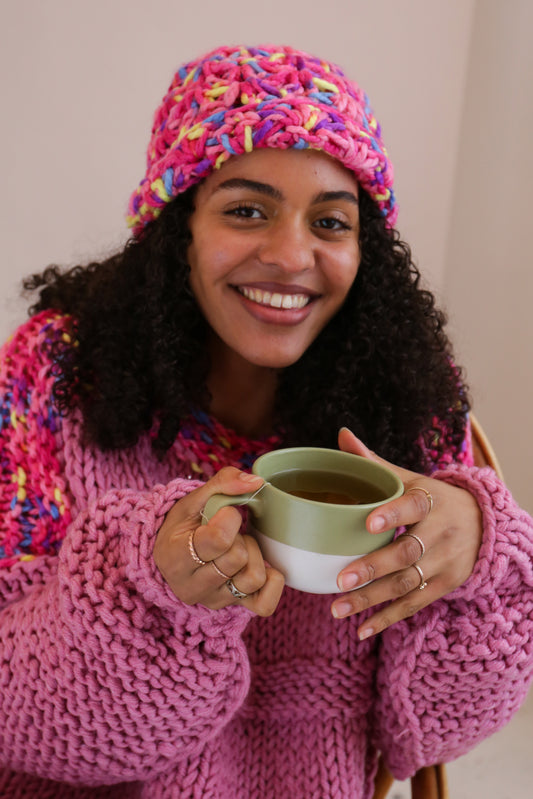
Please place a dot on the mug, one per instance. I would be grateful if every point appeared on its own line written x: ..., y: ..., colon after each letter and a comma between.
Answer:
x: 309, y: 516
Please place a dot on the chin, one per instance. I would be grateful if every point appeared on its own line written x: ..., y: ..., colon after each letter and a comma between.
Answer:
x: 270, y: 360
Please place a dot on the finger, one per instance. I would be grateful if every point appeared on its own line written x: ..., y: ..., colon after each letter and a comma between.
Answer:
x: 217, y: 536
x: 411, y: 508
x: 265, y: 601
x: 401, y: 589
x: 245, y: 562
x: 404, y: 608
x: 242, y: 560
x: 262, y: 585
x: 228, y: 480
x: 395, y: 557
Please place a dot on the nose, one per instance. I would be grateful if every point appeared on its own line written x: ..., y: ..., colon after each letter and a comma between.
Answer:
x: 288, y: 245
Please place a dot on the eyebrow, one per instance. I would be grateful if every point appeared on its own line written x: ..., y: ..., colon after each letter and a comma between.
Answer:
x: 275, y: 194
x: 252, y: 185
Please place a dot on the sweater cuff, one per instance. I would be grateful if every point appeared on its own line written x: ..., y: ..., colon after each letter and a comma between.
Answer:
x: 143, y: 573
x: 500, y: 518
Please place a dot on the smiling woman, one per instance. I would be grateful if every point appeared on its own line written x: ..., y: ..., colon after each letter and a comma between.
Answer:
x: 264, y: 299
x: 274, y: 252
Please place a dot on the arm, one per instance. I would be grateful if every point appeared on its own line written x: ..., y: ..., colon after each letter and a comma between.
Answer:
x: 457, y: 671
x: 105, y: 675
x: 455, y: 659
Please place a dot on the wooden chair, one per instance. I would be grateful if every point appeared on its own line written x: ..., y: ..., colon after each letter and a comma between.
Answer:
x: 431, y: 782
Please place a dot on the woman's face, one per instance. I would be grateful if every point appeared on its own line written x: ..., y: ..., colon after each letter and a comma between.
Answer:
x: 275, y: 249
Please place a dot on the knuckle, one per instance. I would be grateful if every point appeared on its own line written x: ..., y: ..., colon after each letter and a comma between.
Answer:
x: 419, y: 501
x: 360, y: 601
x: 410, y: 609
x: 368, y: 572
x: 224, y: 475
x: 222, y: 536
x: 392, y: 515
x: 402, y: 585
x: 255, y: 574
x: 410, y: 550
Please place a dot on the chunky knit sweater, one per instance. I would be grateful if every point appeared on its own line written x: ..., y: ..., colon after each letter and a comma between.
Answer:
x: 111, y: 687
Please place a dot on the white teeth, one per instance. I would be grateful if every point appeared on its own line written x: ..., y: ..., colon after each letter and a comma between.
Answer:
x: 277, y: 300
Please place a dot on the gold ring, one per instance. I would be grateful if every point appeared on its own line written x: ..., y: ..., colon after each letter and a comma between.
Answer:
x: 194, y: 554
x: 225, y: 577
x: 428, y: 495
x: 423, y: 582
x: 422, y: 547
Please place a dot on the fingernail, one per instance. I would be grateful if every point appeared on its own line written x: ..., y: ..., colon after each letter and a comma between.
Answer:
x: 377, y: 524
x: 249, y: 478
x: 341, y: 609
x: 348, y: 581
x: 366, y: 633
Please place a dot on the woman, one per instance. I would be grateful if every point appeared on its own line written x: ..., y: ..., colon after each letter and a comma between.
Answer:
x: 264, y: 299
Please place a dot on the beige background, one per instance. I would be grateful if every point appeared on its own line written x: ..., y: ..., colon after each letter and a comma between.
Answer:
x: 450, y: 81
x: 451, y: 84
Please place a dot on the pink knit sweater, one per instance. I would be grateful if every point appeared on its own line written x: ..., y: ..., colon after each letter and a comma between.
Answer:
x: 110, y: 687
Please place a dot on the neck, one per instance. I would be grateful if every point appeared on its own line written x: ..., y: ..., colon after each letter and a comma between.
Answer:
x: 242, y: 394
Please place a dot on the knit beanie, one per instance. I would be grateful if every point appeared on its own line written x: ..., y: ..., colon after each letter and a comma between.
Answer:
x: 237, y: 99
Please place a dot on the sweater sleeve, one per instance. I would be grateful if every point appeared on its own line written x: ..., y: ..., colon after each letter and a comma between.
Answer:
x: 105, y: 676
x: 458, y: 670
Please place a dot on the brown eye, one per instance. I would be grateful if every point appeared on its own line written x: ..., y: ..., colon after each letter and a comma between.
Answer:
x: 332, y: 223
x: 244, y: 212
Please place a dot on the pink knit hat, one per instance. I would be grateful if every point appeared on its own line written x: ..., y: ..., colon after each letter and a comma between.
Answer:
x: 237, y: 99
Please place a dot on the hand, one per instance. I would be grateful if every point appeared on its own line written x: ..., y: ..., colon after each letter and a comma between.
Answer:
x: 220, y: 544
x: 451, y: 533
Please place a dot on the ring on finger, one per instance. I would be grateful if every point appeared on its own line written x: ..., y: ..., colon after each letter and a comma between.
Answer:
x: 422, y: 547
x: 220, y: 573
x: 192, y: 550
x: 429, y: 497
x: 234, y: 591
x: 423, y: 581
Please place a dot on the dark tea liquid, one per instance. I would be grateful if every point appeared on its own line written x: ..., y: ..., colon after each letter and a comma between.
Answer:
x: 330, y: 487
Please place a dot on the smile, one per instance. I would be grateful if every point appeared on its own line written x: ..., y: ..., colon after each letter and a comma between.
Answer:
x: 275, y: 299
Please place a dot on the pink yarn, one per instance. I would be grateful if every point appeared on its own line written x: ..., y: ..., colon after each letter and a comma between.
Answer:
x: 111, y: 687
x: 237, y: 99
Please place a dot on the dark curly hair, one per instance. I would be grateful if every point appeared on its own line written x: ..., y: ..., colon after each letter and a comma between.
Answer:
x: 382, y: 366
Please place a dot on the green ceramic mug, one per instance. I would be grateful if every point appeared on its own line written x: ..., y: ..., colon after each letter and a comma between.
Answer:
x: 309, y: 517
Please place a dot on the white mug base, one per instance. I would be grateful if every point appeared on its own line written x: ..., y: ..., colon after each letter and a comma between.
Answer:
x: 307, y: 571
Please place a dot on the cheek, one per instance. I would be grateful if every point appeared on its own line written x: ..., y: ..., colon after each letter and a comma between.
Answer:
x: 344, y: 270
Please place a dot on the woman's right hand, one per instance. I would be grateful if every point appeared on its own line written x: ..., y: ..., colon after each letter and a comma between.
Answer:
x: 221, y: 546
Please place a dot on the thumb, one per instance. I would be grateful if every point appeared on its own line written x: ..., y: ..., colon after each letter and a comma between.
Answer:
x: 348, y: 442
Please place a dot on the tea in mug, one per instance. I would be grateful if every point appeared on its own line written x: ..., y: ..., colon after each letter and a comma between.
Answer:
x: 334, y: 488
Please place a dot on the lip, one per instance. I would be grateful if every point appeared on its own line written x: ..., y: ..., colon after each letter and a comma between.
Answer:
x: 271, y: 315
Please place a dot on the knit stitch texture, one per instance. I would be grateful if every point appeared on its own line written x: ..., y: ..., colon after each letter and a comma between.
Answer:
x: 237, y: 99
x: 110, y: 687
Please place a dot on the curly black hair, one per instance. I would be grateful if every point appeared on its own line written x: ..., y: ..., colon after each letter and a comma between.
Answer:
x: 383, y: 365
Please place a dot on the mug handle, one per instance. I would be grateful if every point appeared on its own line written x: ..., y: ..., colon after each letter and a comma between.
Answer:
x: 217, y: 501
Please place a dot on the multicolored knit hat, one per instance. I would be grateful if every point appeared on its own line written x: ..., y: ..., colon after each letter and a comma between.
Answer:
x: 237, y: 99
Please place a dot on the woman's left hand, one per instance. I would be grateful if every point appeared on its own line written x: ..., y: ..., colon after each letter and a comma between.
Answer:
x: 450, y: 528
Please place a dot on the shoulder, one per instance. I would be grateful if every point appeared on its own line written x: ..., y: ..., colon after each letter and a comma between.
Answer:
x: 33, y: 493
x: 34, y: 337
x: 27, y: 357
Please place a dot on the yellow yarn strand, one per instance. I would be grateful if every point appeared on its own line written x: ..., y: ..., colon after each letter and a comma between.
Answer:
x: 248, y: 142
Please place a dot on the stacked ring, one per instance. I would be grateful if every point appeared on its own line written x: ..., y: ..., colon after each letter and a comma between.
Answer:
x: 422, y: 547
x: 194, y: 554
x: 423, y: 581
x: 234, y: 591
x: 426, y: 492
x: 219, y: 571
